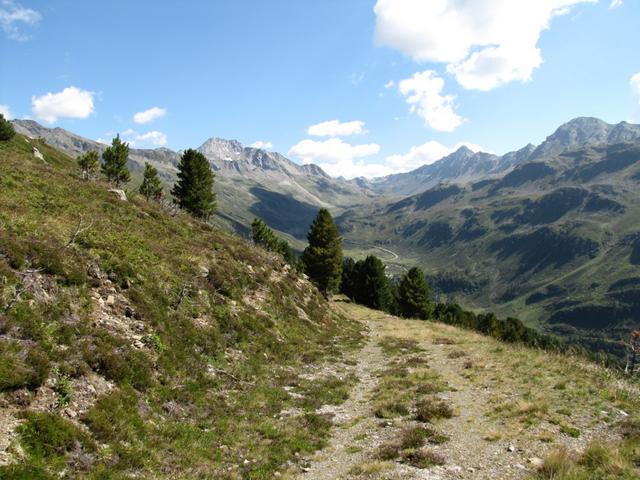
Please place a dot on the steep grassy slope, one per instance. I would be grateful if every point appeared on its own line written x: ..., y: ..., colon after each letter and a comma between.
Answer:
x: 136, y: 343
x: 554, y: 242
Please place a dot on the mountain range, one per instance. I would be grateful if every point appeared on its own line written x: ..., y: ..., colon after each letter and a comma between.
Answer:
x: 548, y: 233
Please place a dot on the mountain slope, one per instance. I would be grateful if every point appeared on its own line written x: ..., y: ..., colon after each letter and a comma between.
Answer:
x: 464, y: 166
x: 137, y: 343
x: 553, y: 242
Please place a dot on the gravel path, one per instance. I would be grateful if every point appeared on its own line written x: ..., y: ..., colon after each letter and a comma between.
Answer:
x: 482, y: 445
x: 355, y: 426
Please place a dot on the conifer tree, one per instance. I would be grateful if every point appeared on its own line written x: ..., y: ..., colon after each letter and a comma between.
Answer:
x: 89, y: 163
x: 349, y: 278
x: 262, y: 235
x: 6, y: 129
x: 151, y: 186
x: 114, y: 164
x: 372, y: 288
x: 414, y: 296
x: 194, y: 189
x: 322, y: 258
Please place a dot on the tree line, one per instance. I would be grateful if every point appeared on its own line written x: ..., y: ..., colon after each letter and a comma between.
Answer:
x: 365, y: 282
x: 192, y: 192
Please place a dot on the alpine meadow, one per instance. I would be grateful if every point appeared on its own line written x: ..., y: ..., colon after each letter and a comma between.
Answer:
x: 437, y: 279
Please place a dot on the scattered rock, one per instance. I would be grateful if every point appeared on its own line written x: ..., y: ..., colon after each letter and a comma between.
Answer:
x: 511, y: 448
x: 111, y: 300
x: 37, y: 154
x: 119, y: 193
x: 536, y: 462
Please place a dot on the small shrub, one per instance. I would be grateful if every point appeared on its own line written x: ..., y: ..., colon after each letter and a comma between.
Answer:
x: 45, y: 435
x: 18, y: 369
x: 423, y: 458
x: 556, y: 465
x: 119, y: 362
x: 429, y: 409
x: 388, y: 451
x: 63, y: 391
x: 115, y: 417
x: 153, y: 341
x: 569, y: 430
x: 457, y: 354
x: 413, y: 437
x: 23, y: 471
x: 391, y: 409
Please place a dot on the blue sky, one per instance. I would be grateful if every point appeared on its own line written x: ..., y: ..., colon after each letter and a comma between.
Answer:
x: 389, y: 85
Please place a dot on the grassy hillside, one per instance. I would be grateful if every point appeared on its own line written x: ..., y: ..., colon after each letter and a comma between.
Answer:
x: 137, y: 343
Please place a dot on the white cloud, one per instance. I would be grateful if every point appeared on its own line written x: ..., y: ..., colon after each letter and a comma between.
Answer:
x: 423, y: 92
x: 13, y: 16
x: 144, y: 140
x: 615, y: 4
x: 6, y: 111
x: 335, y: 128
x: 71, y: 102
x: 337, y: 157
x: 149, y: 115
x: 262, y: 145
x: 485, y: 43
x: 425, y: 154
x: 634, y: 83
x: 389, y: 84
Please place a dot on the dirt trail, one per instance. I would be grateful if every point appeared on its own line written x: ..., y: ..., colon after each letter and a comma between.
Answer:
x: 354, y: 419
x: 482, y: 444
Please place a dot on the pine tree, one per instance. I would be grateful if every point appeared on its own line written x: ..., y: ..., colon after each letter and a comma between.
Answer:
x: 322, y: 259
x: 114, y: 164
x: 349, y: 278
x: 89, y: 163
x: 151, y: 186
x: 6, y: 129
x: 414, y: 296
x: 262, y: 235
x: 194, y: 189
x: 372, y: 287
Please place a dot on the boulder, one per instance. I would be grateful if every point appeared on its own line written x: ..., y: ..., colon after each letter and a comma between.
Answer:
x: 37, y: 154
x: 119, y: 193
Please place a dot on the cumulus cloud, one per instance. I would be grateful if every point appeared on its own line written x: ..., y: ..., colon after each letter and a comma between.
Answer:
x: 615, y: 4
x: 14, y: 16
x: 149, y: 115
x: 423, y: 92
x: 71, y: 102
x: 6, y: 112
x: 484, y: 43
x: 340, y: 159
x: 335, y: 128
x: 425, y: 154
x: 143, y: 140
x: 262, y: 145
x: 634, y: 83
x: 336, y: 157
